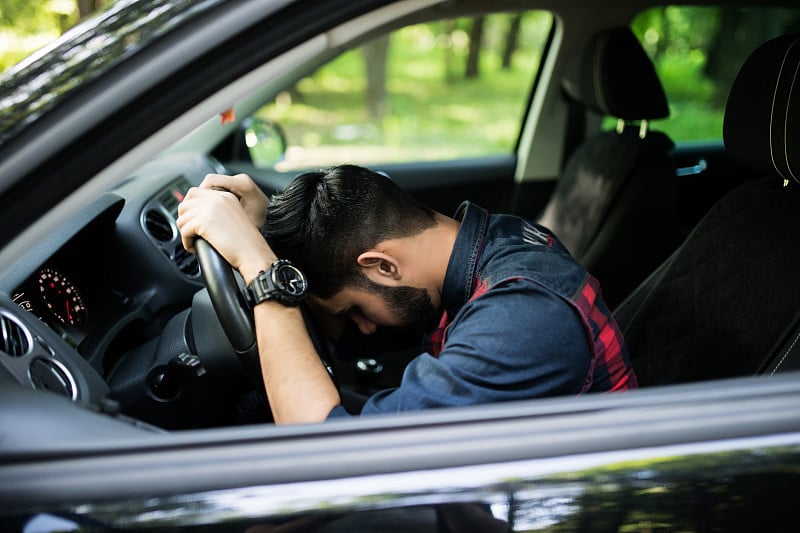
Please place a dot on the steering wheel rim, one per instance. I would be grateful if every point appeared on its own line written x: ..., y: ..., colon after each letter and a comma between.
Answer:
x: 228, y: 301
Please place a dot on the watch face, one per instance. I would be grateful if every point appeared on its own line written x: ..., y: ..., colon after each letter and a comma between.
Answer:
x: 289, y: 280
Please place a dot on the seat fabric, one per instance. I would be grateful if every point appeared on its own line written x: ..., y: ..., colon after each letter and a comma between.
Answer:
x: 720, y: 306
x: 614, y: 204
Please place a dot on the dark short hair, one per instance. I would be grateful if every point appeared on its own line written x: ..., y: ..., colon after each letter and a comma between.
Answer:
x: 324, y: 220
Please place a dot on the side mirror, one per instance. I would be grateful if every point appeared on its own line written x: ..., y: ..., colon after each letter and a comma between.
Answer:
x: 263, y: 140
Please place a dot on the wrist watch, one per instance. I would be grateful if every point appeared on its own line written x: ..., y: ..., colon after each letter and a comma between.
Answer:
x: 282, y: 281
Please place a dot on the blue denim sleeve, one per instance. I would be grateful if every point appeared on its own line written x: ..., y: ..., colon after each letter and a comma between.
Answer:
x: 338, y: 412
x: 515, y: 342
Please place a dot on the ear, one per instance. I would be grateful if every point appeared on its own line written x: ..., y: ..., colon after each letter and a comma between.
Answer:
x: 380, y: 266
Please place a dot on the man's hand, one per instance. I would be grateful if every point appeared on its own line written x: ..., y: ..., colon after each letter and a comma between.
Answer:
x: 219, y: 217
x: 253, y: 200
x: 228, y: 212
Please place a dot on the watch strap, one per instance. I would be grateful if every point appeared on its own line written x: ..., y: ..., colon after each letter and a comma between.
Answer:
x: 259, y: 289
x: 263, y: 287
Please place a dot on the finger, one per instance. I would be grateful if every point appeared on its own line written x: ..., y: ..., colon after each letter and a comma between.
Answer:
x: 186, y: 230
x: 215, y: 180
x: 239, y: 185
x: 189, y: 214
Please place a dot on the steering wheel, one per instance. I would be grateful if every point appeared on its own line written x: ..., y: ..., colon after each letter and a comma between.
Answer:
x: 228, y: 300
x: 234, y: 314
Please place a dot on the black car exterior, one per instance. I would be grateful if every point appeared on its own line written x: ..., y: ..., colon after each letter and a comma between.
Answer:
x: 720, y: 456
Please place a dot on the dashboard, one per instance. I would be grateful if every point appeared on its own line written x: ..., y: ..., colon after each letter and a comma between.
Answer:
x: 87, y: 313
x: 67, y: 293
x: 111, y: 312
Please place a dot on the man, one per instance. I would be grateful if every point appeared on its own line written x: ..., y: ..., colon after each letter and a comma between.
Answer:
x: 509, y: 313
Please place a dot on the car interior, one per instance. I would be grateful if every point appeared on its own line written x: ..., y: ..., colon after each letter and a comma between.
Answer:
x: 617, y: 189
x: 712, y: 309
x: 691, y: 240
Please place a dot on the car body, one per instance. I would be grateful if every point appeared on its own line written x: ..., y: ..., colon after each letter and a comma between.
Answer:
x: 107, y: 425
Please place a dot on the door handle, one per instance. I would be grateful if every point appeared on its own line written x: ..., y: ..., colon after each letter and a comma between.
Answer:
x: 697, y: 168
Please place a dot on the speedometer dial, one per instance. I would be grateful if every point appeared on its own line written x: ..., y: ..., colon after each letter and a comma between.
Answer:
x: 61, y: 297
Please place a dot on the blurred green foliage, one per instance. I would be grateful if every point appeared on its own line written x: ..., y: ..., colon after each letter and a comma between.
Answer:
x: 696, y: 51
x: 430, y: 110
x: 27, y: 25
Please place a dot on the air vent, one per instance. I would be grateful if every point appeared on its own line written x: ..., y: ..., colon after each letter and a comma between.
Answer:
x: 158, y: 225
x: 16, y: 341
x: 169, y: 201
x: 186, y: 262
x: 172, y: 196
x: 48, y: 374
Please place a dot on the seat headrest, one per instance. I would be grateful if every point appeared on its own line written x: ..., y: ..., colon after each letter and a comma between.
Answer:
x: 761, y: 128
x: 616, y: 77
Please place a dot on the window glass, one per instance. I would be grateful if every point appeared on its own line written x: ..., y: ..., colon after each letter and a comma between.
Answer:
x: 435, y: 91
x: 697, y: 52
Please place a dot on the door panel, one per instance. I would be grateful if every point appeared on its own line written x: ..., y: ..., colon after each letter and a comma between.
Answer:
x: 619, y: 462
x: 444, y: 185
x: 706, y: 173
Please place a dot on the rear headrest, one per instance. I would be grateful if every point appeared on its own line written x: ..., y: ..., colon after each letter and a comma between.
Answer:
x: 762, y: 118
x: 616, y: 77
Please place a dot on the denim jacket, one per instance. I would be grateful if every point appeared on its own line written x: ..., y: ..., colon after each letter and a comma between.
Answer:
x: 522, y: 319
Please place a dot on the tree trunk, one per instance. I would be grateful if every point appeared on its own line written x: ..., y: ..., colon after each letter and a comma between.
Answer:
x: 661, y: 45
x: 447, y: 29
x: 375, y: 55
x: 87, y: 7
x: 475, y: 42
x: 512, y: 41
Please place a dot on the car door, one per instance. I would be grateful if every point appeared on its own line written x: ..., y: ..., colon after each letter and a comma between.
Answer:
x: 690, y: 458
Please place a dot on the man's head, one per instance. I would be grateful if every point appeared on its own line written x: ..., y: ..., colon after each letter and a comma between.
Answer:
x: 329, y: 224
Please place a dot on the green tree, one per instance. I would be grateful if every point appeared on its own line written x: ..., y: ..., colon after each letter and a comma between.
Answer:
x: 27, y: 25
x: 740, y: 31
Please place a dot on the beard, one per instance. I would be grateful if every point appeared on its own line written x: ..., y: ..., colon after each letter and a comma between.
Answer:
x: 411, y: 305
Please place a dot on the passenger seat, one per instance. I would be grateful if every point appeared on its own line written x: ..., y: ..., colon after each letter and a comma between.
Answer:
x: 614, y: 204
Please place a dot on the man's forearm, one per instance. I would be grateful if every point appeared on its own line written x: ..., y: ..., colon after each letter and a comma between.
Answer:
x: 298, y: 386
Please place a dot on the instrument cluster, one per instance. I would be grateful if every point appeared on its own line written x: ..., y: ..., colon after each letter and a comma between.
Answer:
x: 53, y: 297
